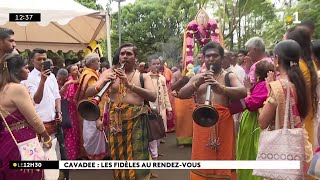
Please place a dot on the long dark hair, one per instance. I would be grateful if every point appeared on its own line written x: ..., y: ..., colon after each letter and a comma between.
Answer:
x: 10, y: 67
x: 302, y: 37
x: 316, y: 49
x: 288, y: 52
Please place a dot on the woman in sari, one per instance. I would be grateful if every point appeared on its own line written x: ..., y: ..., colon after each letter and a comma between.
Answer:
x: 249, y: 132
x: 18, y: 111
x: 287, y: 54
x: 309, y: 72
x: 72, y: 135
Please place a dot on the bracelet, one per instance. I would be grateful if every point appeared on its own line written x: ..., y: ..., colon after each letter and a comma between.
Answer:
x: 97, y: 89
x: 132, y: 87
x: 47, y: 142
x: 224, y: 89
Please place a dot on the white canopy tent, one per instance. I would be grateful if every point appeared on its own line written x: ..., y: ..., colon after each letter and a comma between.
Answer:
x: 65, y: 25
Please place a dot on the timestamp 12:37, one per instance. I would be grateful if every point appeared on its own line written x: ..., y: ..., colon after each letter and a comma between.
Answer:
x: 24, y: 17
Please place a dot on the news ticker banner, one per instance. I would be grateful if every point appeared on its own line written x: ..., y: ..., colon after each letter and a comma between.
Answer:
x: 155, y: 164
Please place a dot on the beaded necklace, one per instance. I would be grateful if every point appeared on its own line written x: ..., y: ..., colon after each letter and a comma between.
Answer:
x: 122, y: 90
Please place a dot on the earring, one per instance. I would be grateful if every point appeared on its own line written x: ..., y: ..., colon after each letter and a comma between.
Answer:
x: 277, y: 65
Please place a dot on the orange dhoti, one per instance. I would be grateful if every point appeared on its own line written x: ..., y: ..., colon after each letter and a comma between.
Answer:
x: 225, y: 151
x: 183, y: 120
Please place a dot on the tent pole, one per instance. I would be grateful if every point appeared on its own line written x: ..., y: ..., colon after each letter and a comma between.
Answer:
x: 107, y: 18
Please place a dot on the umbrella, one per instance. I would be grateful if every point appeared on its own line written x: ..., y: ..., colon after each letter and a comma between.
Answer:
x: 65, y: 24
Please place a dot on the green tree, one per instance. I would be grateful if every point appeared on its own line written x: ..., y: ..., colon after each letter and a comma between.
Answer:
x: 306, y: 9
x: 241, y: 19
x: 155, y: 25
x: 92, y: 4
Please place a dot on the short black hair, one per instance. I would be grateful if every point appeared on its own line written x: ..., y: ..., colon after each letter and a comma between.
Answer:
x: 105, y: 64
x: 103, y: 59
x: 115, y: 58
x: 213, y: 45
x: 5, y: 33
x: 37, y: 50
x: 58, y: 61
x: 135, y: 49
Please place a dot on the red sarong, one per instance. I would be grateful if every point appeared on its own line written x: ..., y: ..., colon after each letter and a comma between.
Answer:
x: 225, y: 151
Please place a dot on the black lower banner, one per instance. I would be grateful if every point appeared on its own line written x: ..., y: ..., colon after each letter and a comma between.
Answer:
x: 34, y: 164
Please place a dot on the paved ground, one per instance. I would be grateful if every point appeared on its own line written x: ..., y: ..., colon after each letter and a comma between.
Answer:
x: 170, y: 151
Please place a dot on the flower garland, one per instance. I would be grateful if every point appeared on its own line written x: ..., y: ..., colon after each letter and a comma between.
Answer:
x: 201, y: 35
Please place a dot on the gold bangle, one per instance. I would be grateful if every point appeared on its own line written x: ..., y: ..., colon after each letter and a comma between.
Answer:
x: 47, y: 142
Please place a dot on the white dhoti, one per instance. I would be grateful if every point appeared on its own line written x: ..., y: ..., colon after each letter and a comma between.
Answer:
x: 94, y: 141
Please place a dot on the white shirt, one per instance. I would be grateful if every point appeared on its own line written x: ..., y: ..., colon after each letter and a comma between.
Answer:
x: 46, y: 109
x: 239, y: 71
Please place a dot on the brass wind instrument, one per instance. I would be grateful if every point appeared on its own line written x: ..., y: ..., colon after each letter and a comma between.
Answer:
x: 205, y: 115
x: 89, y: 109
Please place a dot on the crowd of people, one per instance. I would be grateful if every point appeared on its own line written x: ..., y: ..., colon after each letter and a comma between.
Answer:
x: 248, y: 90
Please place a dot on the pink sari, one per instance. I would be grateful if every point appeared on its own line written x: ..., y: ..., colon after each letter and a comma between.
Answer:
x: 72, y: 135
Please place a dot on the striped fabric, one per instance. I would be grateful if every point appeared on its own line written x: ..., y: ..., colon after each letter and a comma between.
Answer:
x: 131, y: 143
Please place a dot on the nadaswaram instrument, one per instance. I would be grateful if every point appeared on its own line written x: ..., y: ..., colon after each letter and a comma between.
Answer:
x: 205, y: 115
x: 89, y: 109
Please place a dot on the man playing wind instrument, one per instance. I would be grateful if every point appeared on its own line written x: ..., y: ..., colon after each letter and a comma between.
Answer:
x: 216, y: 142
x: 128, y: 115
x: 93, y: 139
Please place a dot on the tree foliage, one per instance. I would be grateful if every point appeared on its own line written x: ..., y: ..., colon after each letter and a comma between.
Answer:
x: 92, y: 4
x: 306, y: 9
x: 155, y: 25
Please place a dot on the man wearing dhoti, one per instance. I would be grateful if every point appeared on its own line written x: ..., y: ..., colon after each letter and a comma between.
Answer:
x: 216, y: 142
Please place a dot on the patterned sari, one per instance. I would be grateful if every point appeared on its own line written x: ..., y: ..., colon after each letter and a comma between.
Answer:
x: 9, y: 150
x: 277, y: 97
x: 72, y: 135
x: 309, y: 119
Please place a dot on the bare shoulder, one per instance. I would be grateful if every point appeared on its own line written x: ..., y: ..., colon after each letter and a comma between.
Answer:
x: 16, y: 89
x: 146, y: 76
x: 232, y: 75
